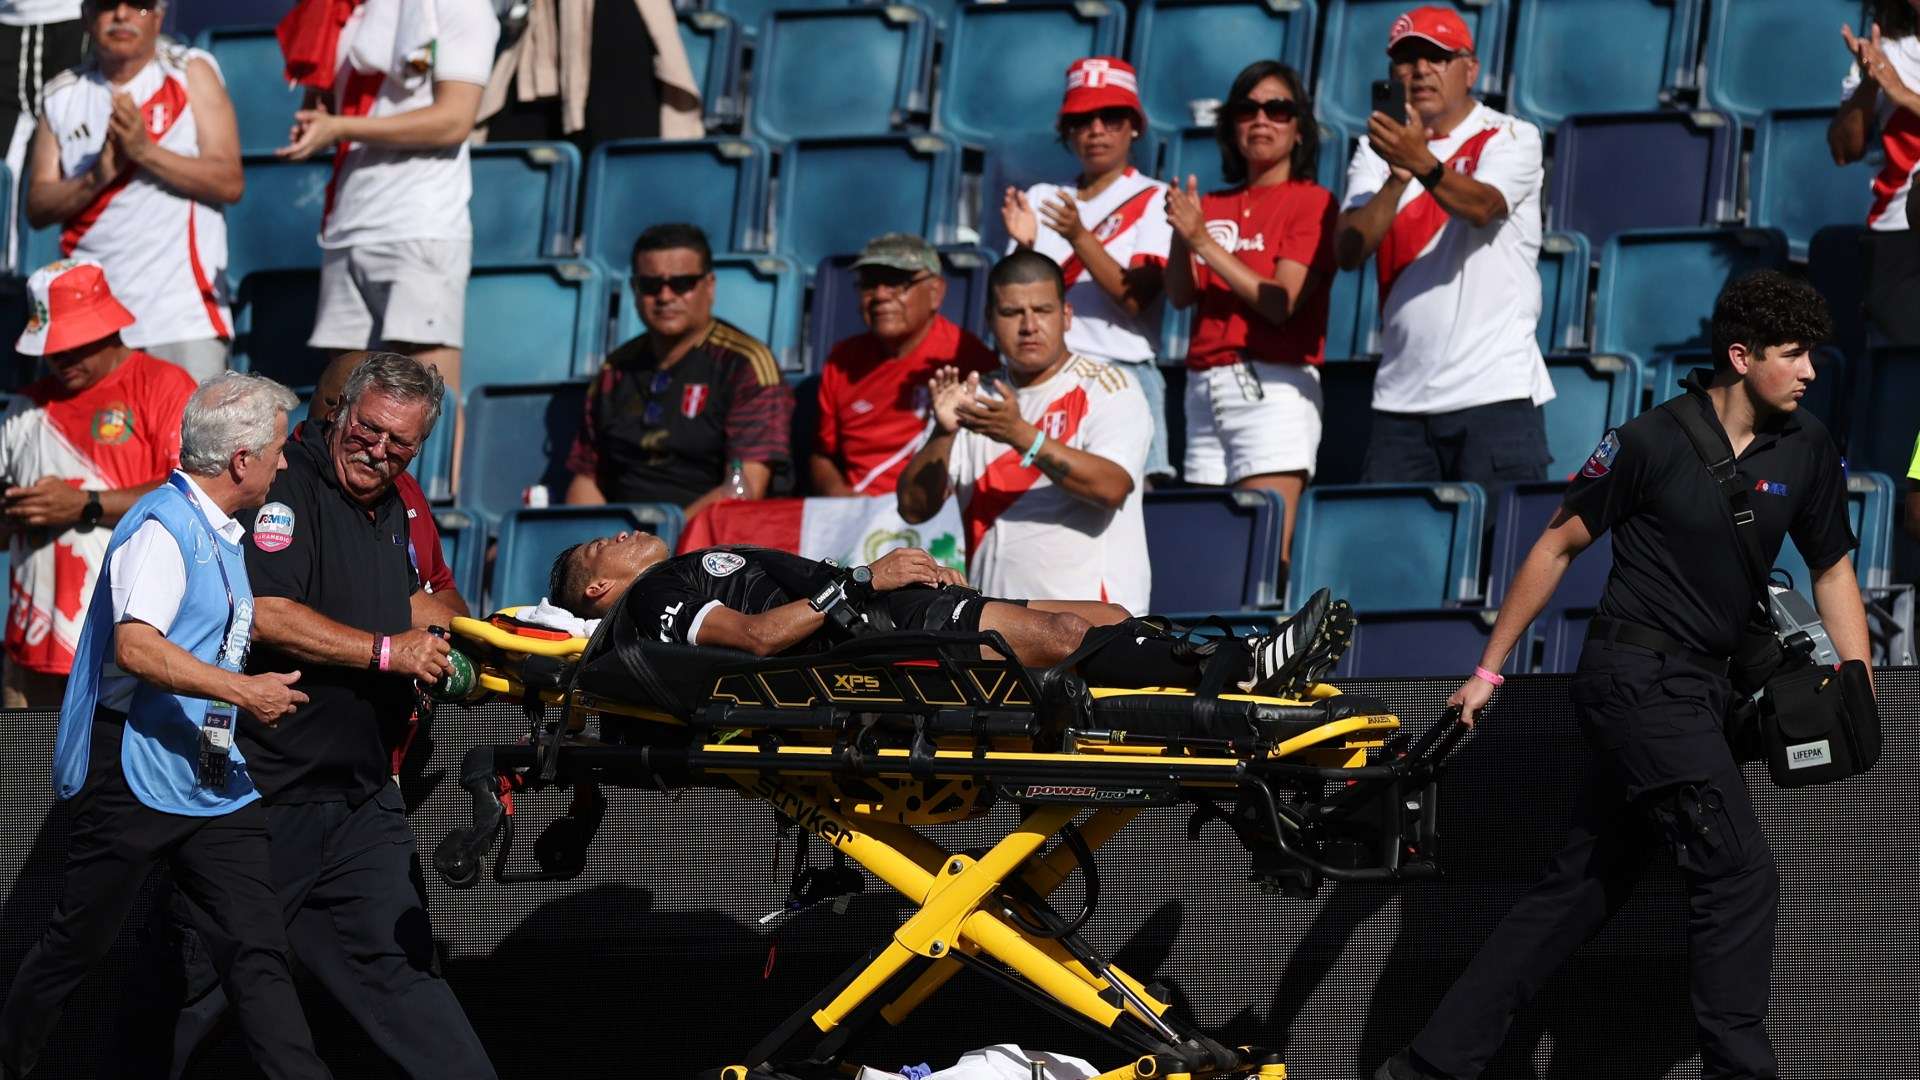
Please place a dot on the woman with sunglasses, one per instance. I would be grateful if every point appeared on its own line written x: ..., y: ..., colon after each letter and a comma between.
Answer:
x: 1108, y: 231
x: 1257, y: 261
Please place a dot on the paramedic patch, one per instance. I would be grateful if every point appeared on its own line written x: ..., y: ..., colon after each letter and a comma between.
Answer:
x: 721, y: 563
x: 1600, y: 462
x: 273, y: 527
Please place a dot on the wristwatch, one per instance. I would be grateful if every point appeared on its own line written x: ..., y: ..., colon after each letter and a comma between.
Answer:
x: 90, y: 513
x: 1432, y: 177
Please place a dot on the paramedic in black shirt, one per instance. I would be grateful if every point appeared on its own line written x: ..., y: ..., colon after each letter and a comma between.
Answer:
x: 1651, y: 691
x: 338, y: 598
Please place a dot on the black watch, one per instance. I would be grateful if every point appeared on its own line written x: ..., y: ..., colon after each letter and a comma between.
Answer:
x: 1432, y: 177
x: 90, y: 513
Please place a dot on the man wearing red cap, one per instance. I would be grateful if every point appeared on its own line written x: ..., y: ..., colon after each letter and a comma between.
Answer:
x: 77, y: 448
x: 1446, y: 199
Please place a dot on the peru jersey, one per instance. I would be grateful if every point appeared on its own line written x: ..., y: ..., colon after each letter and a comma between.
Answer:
x: 1130, y: 218
x: 121, y: 432
x: 165, y: 255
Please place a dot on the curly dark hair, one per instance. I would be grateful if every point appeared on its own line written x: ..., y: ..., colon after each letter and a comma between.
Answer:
x: 1764, y: 309
x: 1306, y: 145
x: 1896, y: 19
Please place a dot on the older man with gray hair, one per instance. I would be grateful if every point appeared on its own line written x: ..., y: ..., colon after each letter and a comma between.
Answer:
x: 146, y: 749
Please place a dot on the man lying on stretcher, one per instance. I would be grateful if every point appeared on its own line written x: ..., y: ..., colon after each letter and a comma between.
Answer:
x: 765, y: 602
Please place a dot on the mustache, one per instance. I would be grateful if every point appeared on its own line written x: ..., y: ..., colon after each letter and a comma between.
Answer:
x: 384, y: 468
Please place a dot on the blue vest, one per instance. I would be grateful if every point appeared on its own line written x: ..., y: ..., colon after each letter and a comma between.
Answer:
x: 161, y: 746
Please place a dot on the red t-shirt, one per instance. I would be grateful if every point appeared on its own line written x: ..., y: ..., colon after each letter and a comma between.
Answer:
x: 1261, y: 226
x: 873, y: 409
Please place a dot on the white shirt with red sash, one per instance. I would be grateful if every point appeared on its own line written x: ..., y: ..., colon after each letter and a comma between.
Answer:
x: 1899, y: 138
x: 165, y: 255
x: 1130, y: 218
x: 1459, y: 304
x: 1029, y: 538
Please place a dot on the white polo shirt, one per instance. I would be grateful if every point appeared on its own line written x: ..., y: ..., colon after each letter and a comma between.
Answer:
x: 1027, y: 537
x: 1130, y: 218
x: 1462, y: 303
x: 1899, y: 137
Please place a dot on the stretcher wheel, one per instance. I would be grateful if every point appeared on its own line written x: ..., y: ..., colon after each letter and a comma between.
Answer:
x: 462, y: 856
x: 561, y: 849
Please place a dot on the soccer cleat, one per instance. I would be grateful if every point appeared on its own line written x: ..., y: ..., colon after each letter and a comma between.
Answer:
x: 1303, y: 650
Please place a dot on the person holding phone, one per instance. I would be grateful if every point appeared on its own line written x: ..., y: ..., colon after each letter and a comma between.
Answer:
x: 1256, y: 262
x: 1444, y: 194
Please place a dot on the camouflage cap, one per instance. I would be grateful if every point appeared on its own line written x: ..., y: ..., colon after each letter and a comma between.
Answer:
x: 900, y: 251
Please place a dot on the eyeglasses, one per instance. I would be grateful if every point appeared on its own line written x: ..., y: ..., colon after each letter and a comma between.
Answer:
x: 372, y: 437
x: 896, y: 282
x: 144, y: 7
x: 1276, y: 110
x: 681, y: 284
x: 1113, y: 118
x: 1409, y: 59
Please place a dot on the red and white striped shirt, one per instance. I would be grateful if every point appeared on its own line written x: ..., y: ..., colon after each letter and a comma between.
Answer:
x: 1899, y: 137
x: 1130, y: 218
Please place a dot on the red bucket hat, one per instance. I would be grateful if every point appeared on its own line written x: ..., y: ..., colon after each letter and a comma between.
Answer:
x: 1100, y: 82
x: 1441, y: 25
x: 69, y: 306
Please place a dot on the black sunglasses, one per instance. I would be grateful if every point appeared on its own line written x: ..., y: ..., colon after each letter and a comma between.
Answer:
x: 1111, y: 117
x: 681, y: 284
x: 1277, y: 110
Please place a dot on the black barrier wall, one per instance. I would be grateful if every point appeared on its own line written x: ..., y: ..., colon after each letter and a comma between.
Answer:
x: 654, y: 962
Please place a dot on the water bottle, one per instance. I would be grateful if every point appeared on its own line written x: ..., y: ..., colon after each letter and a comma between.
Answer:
x: 737, y: 480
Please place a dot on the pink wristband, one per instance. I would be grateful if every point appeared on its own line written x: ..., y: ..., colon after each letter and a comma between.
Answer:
x: 1491, y: 678
x: 386, y: 652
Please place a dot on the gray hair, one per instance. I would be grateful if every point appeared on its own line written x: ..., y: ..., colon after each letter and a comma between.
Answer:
x: 399, y: 377
x: 232, y: 412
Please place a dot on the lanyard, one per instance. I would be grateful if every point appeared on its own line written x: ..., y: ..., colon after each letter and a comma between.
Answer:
x: 180, y: 484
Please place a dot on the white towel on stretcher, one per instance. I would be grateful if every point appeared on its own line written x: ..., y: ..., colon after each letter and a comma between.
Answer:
x: 552, y: 617
x: 1002, y: 1062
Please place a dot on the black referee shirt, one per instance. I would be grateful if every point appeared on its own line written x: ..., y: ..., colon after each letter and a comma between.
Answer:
x: 670, y: 601
x: 313, y: 544
x: 1677, y: 565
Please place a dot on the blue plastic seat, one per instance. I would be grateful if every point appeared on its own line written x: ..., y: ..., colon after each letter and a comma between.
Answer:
x: 273, y: 314
x: 1562, y: 633
x: 750, y: 14
x: 1836, y: 267
x: 718, y: 184
x: 1743, y: 75
x: 1602, y: 56
x: 255, y: 74
x: 463, y: 544
x: 1006, y: 63
x: 533, y: 322
x: 517, y: 436
x: 1592, y: 393
x: 522, y: 206
x: 1602, y: 166
x: 1354, y: 53
x: 1657, y: 286
x: 1169, y: 34
x: 1389, y: 547
x: 836, y: 299
x: 713, y: 43
x: 1214, y: 550
x: 1346, y: 420
x: 1795, y: 186
x: 1021, y: 161
x: 1888, y: 386
x: 530, y: 539
x: 187, y: 18
x: 842, y: 71
x: 1438, y: 642
x: 760, y: 294
x: 433, y: 465
x: 836, y: 194
x: 276, y: 226
x: 1870, y: 510
x: 1523, y: 513
x: 1565, y: 258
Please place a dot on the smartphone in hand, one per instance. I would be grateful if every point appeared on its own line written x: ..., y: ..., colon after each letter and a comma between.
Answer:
x: 1390, y: 98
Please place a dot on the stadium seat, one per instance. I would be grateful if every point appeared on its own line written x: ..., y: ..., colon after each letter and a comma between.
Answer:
x: 255, y: 74
x: 750, y: 14
x: 1601, y: 166
x: 1660, y: 376
x: 1870, y: 510
x: 718, y: 184
x: 273, y: 313
x: 1021, y: 161
x: 1354, y: 53
x: 1214, y: 549
x: 1592, y: 392
x: 1169, y: 34
x: 836, y: 194
x: 517, y: 436
x: 1006, y: 63
x: 841, y: 71
x: 533, y: 322
x: 1389, y: 546
x: 836, y: 299
x: 1193, y: 151
x: 522, y: 206
x: 530, y: 538
x: 1836, y: 266
x: 277, y: 225
x: 38, y: 247
x: 1564, y: 261
x: 1887, y: 390
x: 1602, y: 56
x: 1521, y: 516
x: 1439, y: 642
x: 1657, y: 286
x: 1795, y: 186
x: 1346, y: 420
x: 188, y: 18
x: 1562, y: 634
x: 433, y: 465
x: 1742, y: 74
x: 714, y: 51
x: 760, y: 294
x: 1353, y: 314
x: 463, y: 544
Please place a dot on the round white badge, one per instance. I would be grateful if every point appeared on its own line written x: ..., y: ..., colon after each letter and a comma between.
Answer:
x: 722, y: 563
x: 273, y: 527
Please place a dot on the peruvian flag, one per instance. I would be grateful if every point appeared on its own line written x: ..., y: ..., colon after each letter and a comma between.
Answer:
x: 852, y: 531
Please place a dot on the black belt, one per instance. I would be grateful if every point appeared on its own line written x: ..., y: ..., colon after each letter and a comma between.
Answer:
x: 1645, y: 637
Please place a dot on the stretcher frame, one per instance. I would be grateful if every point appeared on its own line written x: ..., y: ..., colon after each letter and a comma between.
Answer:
x: 894, y: 732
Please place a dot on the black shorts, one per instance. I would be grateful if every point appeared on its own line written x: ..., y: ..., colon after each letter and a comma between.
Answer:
x: 936, y: 607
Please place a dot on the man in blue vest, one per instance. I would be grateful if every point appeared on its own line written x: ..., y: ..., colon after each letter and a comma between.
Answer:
x: 146, y: 750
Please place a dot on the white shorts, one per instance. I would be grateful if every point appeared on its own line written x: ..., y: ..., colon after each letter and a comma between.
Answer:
x: 1250, y: 418
x: 407, y: 292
